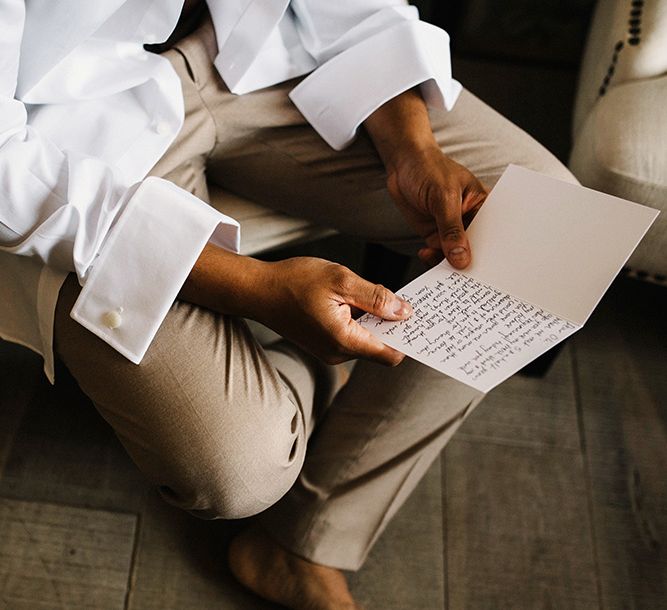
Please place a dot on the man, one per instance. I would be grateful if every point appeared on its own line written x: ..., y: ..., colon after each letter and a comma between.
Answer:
x: 312, y: 107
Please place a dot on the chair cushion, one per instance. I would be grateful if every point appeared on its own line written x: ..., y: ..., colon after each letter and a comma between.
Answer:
x: 263, y: 229
x: 622, y: 149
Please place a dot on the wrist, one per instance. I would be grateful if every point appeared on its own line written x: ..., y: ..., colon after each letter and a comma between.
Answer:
x: 406, y: 151
x: 405, y: 156
x: 401, y: 129
x: 226, y: 282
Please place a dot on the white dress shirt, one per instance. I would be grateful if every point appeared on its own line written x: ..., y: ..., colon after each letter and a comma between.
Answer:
x: 85, y: 113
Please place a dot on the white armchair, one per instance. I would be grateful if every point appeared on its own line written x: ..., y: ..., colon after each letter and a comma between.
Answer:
x: 620, y: 120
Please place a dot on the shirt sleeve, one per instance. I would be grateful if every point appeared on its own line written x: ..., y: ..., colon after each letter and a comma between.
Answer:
x: 131, y: 246
x: 367, y: 53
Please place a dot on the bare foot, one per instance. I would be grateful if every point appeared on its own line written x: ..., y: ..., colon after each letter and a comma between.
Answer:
x: 275, y: 574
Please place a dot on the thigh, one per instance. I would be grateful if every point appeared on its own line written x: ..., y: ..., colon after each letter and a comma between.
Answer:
x: 268, y: 153
x: 484, y: 141
x: 206, y: 415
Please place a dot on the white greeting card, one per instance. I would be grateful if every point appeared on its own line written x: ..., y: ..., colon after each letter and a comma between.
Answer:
x: 544, y: 253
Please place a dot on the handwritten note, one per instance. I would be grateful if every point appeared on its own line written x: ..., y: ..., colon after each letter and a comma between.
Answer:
x: 528, y: 287
x: 469, y: 330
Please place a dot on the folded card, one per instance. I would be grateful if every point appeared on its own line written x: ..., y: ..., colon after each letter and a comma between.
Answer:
x: 544, y: 253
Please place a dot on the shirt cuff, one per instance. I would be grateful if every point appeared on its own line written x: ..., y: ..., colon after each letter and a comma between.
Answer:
x: 344, y: 91
x: 144, y: 262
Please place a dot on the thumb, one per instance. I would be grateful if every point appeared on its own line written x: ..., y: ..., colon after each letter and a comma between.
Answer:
x: 452, y: 234
x: 376, y: 299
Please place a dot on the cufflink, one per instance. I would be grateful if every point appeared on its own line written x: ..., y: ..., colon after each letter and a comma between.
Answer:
x: 162, y: 128
x: 113, y: 319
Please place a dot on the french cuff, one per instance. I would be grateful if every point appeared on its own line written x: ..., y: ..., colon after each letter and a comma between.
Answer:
x: 144, y: 262
x: 344, y: 91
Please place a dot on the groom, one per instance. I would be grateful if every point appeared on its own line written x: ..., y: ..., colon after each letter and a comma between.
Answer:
x: 313, y: 108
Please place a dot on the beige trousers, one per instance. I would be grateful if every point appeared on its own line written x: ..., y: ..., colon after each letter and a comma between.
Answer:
x: 227, y: 428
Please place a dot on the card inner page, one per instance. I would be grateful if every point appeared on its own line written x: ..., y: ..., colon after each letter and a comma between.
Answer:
x: 469, y: 330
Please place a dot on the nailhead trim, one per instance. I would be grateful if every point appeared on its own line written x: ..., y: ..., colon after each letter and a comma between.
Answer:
x: 634, y: 22
x: 633, y: 38
x: 618, y: 47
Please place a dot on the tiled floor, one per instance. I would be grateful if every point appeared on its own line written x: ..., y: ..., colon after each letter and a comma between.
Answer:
x: 552, y: 495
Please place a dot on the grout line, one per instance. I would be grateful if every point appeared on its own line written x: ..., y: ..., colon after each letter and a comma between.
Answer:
x: 587, y: 470
x: 466, y: 437
x: 133, y: 563
x: 11, y: 496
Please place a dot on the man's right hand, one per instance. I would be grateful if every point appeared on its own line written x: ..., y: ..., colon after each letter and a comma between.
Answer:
x: 310, y: 301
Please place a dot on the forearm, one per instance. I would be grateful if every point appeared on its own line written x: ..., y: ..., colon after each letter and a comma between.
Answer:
x: 306, y: 300
x: 400, y: 127
x: 437, y: 195
x: 225, y: 282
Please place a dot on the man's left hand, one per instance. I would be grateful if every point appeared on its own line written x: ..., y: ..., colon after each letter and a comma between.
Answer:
x: 437, y: 195
x: 439, y: 198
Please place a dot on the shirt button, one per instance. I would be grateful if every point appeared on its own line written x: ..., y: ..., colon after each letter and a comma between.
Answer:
x: 162, y: 128
x: 112, y: 319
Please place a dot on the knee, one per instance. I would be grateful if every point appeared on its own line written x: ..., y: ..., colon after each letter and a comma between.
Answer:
x: 238, y: 476
x: 541, y: 160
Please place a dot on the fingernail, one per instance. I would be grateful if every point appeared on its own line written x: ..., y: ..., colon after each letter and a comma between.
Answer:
x: 458, y: 255
x: 402, y: 308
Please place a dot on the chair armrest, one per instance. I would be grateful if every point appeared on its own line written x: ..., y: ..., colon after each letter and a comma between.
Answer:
x: 627, y: 41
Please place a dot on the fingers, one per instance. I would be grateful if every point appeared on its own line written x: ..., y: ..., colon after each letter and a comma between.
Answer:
x: 453, y: 239
x: 363, y: 344
x: 453, y: 204
x: 430, y: 256
x: 373, y: 298
x: 472, y: 203
x: 350, y: 338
